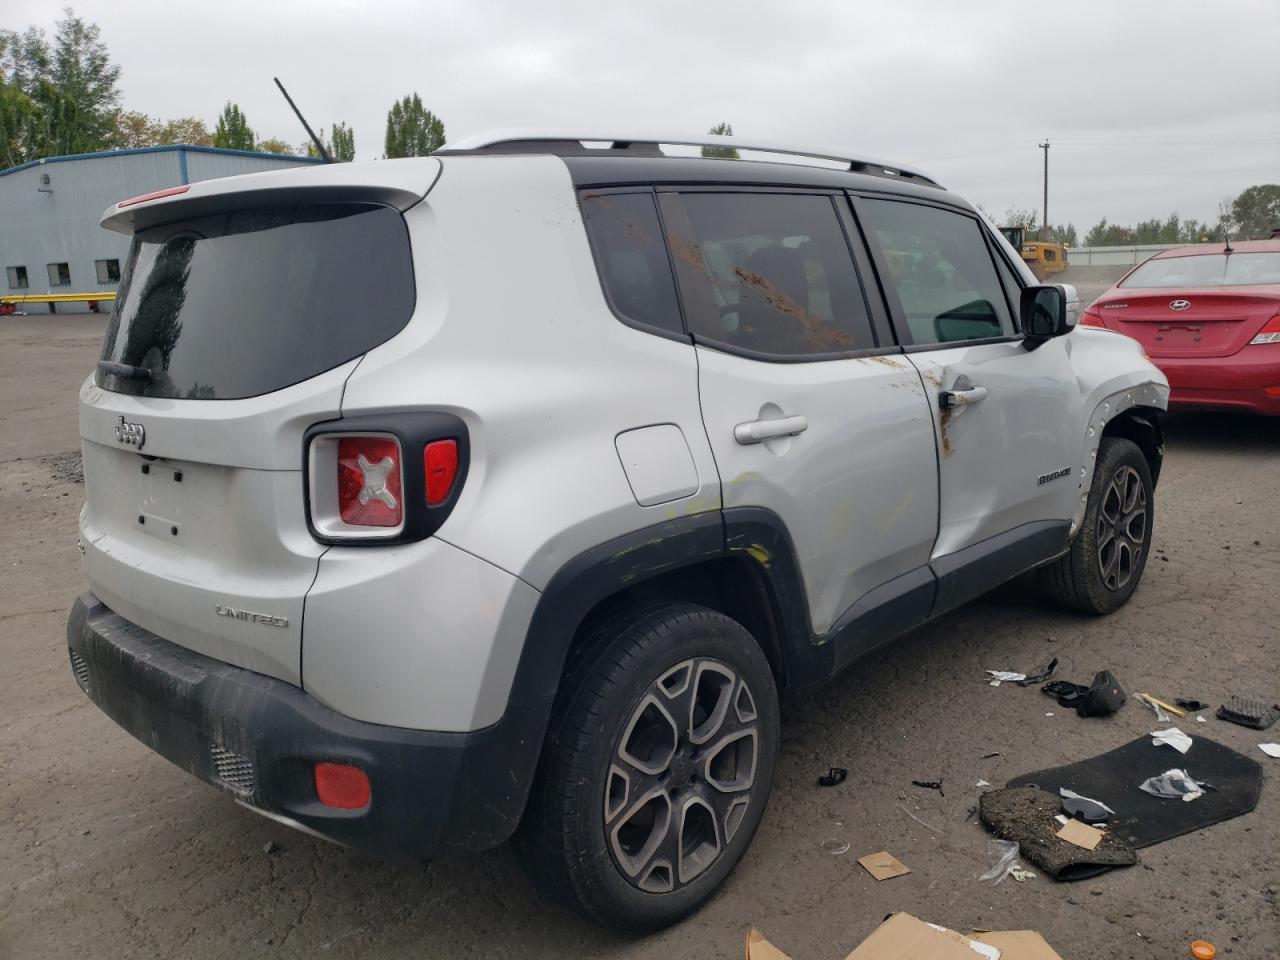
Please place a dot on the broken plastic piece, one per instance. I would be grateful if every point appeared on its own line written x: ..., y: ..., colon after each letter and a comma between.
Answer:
x: 1173, y: 737
x: 1173, y: 785
x: 983, y: 783
x: 1021, y: 875
x: 1203, y: 950
x: 1248, y: 712
x: 1066, y: 692
x: 929, y: 785
x: 1005, y: 855
x: 1150, y: 701
x: 927, y: 826
x: 1104, y: 697
x: 833, y: 777
x: 1270, y: 749
x: 1040, y: 677
x: 1193, y: 705
x: 1004, y: 676
x: 834, y: 846
x: 1084, y: 808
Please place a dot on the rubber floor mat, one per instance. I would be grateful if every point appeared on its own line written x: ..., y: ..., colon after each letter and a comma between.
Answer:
x: 1141, y: 819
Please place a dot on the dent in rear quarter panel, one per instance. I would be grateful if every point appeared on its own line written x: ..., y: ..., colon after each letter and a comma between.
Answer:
x: 1114, y: 375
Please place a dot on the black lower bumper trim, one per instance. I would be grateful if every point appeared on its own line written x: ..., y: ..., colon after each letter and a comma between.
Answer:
x: 258, y: 738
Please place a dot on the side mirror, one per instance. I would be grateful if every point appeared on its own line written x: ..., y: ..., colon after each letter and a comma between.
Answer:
x: 1046, y: 313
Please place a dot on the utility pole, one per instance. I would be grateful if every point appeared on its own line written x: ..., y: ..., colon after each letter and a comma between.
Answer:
x: 1044, y: 218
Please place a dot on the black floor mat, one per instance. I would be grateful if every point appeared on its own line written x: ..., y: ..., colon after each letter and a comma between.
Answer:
x: 1141, y: 819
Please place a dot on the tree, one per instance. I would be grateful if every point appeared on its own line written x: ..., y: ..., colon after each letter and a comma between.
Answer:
x: 275, y: 145
x: 185, y: 130
x: 724, y: 153
x: 412, y: 130
x: 233, y: 131
x: 1029, y: 220
x: 56, y: 99
x: 1063, y: 235
x: 1256, y: 211
x: 343, y: 146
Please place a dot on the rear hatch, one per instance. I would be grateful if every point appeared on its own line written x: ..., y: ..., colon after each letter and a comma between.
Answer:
x: 1200, y: 324
x: 240, y: 317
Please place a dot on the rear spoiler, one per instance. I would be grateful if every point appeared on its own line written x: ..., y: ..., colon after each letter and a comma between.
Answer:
x: 399, y: 184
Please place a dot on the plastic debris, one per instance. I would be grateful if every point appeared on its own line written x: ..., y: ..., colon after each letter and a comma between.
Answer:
x: 1150, y: 701
x: 1201, y: 720
x: 1249, y: 712
x: 1104, y: 697
x: 1193, y: 705
x: 1173, y: 737
x: 1021, y: 875
x: 833, y: 777
x: 988, y: 756
x: 983, y: 783
x: 1084, y: 808
x: 834, y: 846
x: 929, y: 785
x: 1004, y: 853
x: 1270, y: 749
x: 1203, y: 950
x: 928, y: 826
x: 1173, y: 784
x: 836, y: 814
x: 1004, y: 676
x: 1039, y: 677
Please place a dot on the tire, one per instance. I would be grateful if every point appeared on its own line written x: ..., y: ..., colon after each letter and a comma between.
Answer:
x: 618, y: 765
x: 1104, y: 565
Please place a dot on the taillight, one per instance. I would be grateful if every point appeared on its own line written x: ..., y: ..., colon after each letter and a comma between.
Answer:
x: 1092, y: 317
x: 384, y: 478
x: 370, y: 492
x: 1270, y: 333
x: 440, y: 462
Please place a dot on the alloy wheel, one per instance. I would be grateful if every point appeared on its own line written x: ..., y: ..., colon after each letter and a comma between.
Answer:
x: 1122, y: 528
x: 681, y: 774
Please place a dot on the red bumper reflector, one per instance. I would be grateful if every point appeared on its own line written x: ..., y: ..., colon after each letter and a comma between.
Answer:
x: 171, y: 192
x: 342, y: 786
x: 1274, y: 391
x: 440, y: 458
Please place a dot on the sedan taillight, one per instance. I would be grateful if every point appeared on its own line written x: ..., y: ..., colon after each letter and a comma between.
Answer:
x: 1092, y: 317
x: 1270, y: 333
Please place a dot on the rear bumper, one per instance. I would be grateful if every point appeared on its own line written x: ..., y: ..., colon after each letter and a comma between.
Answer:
x: 258, y: 738
x: 1225, y: 383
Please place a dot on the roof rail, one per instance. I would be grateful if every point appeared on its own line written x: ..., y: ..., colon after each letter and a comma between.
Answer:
x: 539, y: 140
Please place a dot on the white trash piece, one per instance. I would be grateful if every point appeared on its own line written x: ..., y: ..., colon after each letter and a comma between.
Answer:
x: 1005, y: 855
x: 1173, y: 737
x: 1161, y: 716
x: 1004, y: 676
x: 1270, y: 749
x: 1173, y: 785
x: 1072, y: 795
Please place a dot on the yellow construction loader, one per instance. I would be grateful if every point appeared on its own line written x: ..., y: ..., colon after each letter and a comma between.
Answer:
x: 1044, y: 258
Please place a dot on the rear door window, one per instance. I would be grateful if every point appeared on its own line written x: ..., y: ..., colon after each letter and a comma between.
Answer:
x: 940, y: 268
x: 251, y: 301
x: 631, y: 258
x: 771, y: 275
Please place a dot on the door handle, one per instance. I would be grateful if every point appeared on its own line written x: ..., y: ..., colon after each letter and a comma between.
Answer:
x: 960, y: 398
x: 758, y: 430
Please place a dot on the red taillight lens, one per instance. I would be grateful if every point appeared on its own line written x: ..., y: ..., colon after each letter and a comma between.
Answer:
x: 1270, y: 333
x: 158, y: 194
x: 342, y: 785
x: 440, y: 458
x: 1092, y: 317
x: 370, y: 491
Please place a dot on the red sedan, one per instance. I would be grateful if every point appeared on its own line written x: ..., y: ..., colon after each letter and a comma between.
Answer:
x: 1209, y: 317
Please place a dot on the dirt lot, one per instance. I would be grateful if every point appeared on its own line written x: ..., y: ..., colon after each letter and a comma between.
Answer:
x: 110, y: 851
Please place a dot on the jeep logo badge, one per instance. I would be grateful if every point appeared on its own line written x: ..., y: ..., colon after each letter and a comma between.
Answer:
x: 133, y: 434
x: 1179, y: 304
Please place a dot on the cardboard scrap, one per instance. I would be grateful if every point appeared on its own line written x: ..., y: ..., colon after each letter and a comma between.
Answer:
x: 903, y: 937
x: 1019, y: 945
x: 1081, y: 834
x: 883, y: 865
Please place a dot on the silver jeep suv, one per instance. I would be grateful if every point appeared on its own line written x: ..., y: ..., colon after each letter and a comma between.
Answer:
x: 498, y: 494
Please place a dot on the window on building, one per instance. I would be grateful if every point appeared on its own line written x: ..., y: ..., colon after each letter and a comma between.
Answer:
x: 17, y: 278
x: 59, y: 274
x: 108, y: 270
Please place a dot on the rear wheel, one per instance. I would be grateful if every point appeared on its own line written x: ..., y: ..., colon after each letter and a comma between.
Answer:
x: 1109, y: 553
x: 657, y: 769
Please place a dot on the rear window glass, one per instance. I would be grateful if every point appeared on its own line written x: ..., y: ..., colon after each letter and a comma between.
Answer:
x: 771, y: 274
x: 1207, y: 270
x: 250, y: 301
x: 632, y: 258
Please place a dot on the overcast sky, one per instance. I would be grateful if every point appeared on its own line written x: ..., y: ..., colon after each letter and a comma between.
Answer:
x: 1150, y: 107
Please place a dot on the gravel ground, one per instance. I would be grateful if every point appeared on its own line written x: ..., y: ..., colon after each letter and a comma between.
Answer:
x: 110, y: 851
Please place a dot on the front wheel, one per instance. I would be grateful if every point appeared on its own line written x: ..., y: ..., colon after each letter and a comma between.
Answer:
x: 657, y: 769
x: 1109, y: 553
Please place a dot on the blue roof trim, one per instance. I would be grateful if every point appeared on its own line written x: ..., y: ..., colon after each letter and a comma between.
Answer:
x: 164, y: 148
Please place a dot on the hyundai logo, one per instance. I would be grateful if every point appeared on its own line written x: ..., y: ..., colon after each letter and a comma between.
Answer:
x: 133, y: 434
x: 1179, y: 304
